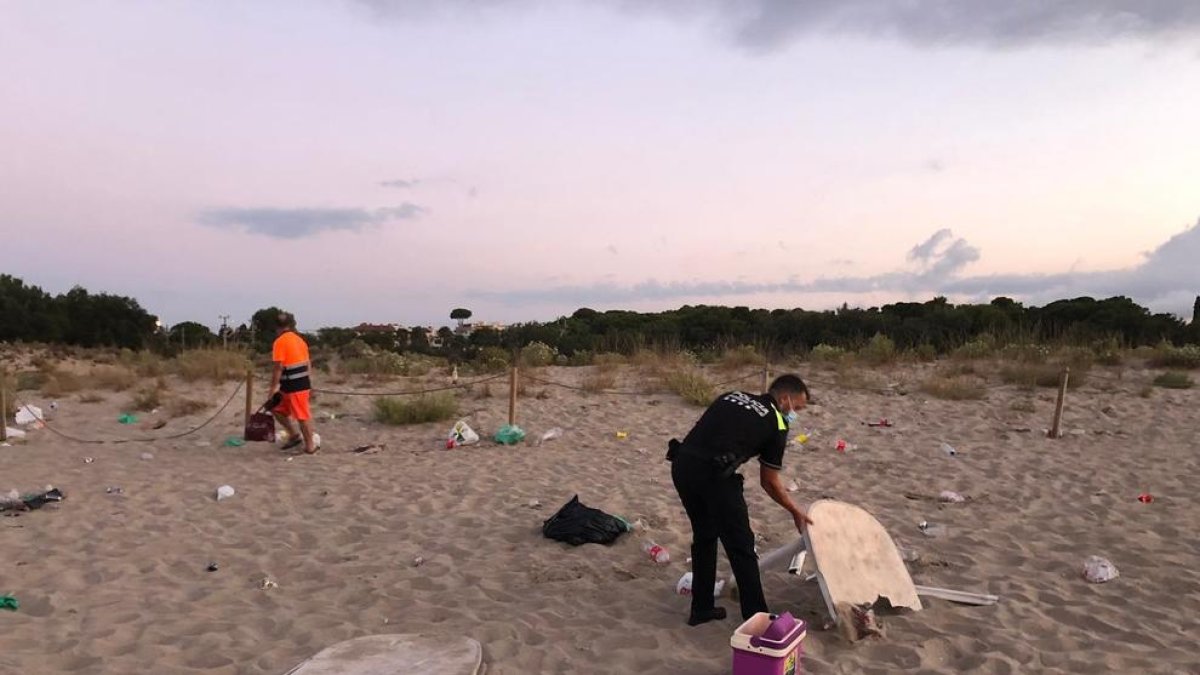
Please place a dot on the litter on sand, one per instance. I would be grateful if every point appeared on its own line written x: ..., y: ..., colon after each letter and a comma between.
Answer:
x: 1099, y: 570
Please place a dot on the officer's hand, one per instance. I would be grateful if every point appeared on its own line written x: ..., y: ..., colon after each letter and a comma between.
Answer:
x: 801, y: 519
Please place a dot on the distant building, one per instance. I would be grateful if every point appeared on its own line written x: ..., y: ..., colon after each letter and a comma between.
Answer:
x: 466, y: 329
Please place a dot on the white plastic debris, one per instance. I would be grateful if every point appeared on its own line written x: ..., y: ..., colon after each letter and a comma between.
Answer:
x: 267, y: 584
x: 793, y: 486
x: 462, y: 434
x: 550, y: 435
x: 684, y: 586
x: 1099, y: 570
x: 931, y: 529
x: 147, y: 456
x: 949, y: 449
x: 14, y: 433
x: 224, y: 492
x: 28, y: 414
x: 951, y: 497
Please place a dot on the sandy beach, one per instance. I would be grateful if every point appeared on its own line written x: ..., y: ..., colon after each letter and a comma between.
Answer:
x: 119, y: 583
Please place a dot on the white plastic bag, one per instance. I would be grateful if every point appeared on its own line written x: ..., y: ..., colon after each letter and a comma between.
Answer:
x: 225, y: 492
x: 462, y: 434
x: 28, y: 415
x: 1099, y: 570
x: 951, y: 497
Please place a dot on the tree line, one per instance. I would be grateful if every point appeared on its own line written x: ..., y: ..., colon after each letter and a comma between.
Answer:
x: 77, y: 317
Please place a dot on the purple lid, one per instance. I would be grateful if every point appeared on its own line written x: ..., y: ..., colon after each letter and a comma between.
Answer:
x: 783, y: 629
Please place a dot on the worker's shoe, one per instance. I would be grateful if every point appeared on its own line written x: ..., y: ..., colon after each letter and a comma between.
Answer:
x: 714, y: 614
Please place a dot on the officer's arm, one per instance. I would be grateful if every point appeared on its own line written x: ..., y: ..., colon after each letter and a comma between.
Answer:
x: 773, y: 486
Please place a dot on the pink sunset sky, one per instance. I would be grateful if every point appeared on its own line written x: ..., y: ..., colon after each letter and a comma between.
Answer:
x: 356, y: 160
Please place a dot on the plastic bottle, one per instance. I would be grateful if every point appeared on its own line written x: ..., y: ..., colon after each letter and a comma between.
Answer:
x: 657, y: 553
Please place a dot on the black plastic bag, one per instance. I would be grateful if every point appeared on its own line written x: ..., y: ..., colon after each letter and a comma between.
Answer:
x: 578, y: 524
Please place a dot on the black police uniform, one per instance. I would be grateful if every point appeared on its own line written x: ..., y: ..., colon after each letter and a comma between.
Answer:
x: 735, y: 428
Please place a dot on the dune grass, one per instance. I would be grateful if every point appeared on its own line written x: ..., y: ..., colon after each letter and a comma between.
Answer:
x: 415, y: 410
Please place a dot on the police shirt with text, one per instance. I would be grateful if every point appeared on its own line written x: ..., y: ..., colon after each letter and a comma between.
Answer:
x: 747, y: 425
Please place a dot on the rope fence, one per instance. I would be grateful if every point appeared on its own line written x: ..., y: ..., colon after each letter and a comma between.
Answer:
x: 95, y: 441
x: 536, y: 377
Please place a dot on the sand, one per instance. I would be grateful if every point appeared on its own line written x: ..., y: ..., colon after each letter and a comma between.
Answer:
x: 119, y: 583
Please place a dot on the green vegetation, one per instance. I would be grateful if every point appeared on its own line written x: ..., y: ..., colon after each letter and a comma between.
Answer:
x: 954, y: 388
x: 1167, y: 355
x: 1174, y: 380
x: 416, y: 410
x: 690, y: 385
x: 216, y: 365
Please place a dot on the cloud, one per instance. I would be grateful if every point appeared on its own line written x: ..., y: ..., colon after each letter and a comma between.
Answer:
x: 770, y: 24
x: 399, y: 183
x: 1166, y: 280
x: 299, y: 223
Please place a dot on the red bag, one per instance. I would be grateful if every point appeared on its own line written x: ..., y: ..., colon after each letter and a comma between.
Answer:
x: 260, y: 427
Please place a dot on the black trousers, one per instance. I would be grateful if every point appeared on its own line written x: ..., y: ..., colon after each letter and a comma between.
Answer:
x: 717, y: 509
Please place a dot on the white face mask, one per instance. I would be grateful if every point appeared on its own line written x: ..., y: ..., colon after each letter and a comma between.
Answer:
x: 791, y: 417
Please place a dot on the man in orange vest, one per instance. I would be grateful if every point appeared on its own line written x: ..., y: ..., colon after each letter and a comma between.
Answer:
x: 290, y: 380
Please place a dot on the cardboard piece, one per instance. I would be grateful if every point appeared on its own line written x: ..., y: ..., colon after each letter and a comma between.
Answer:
x: 857, y: 561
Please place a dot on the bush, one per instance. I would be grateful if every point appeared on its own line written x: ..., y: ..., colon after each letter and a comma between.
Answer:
x: 599, y: 381
x: 217, y: 365
x: 1108, y: 352
x: 1042, y: 375
x: 29, y: 380
x: 61, y: 382
x: 583, y: 357
x: 824, y: 353
x: 926, y: 353
x: 1024, y: 353
x: 1167, y: 355
x: 609, y: 360
x: 145, y: 364
x: 537, y: 355
x: 113, y: 378
x: 147, y: 399
x: 1024, y: 405
x: 1174, y: 380
x: 979, y: 348
x: 954, y: 388
x: 418, y: 410
x: 492, y: 360
x: 879, y: 351
x: 741, y: 357
x: 691, y: 386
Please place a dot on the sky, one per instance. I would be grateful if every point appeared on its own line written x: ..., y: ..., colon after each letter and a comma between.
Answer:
x: 388, y: 160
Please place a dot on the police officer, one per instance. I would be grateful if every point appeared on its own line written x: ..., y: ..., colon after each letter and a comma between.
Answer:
x: 734, y: 429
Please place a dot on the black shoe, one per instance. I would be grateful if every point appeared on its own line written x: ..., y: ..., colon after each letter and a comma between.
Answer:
x: 714, y: 614
x: 292, y: 443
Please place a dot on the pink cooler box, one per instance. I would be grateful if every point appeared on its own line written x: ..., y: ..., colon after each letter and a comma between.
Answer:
x: 768, y: 645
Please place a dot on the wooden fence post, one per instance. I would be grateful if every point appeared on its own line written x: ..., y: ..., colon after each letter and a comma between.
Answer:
x: 249, y: 394
x: 1056, y: 427
x: 512, y: 395
x: 3, y: 406
x: 766, y: 376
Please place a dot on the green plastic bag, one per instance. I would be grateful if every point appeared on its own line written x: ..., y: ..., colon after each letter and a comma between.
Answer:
x: 509, y: 434
x: 127, y: 418
x: 9, y: 602
x: 234, y: 442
